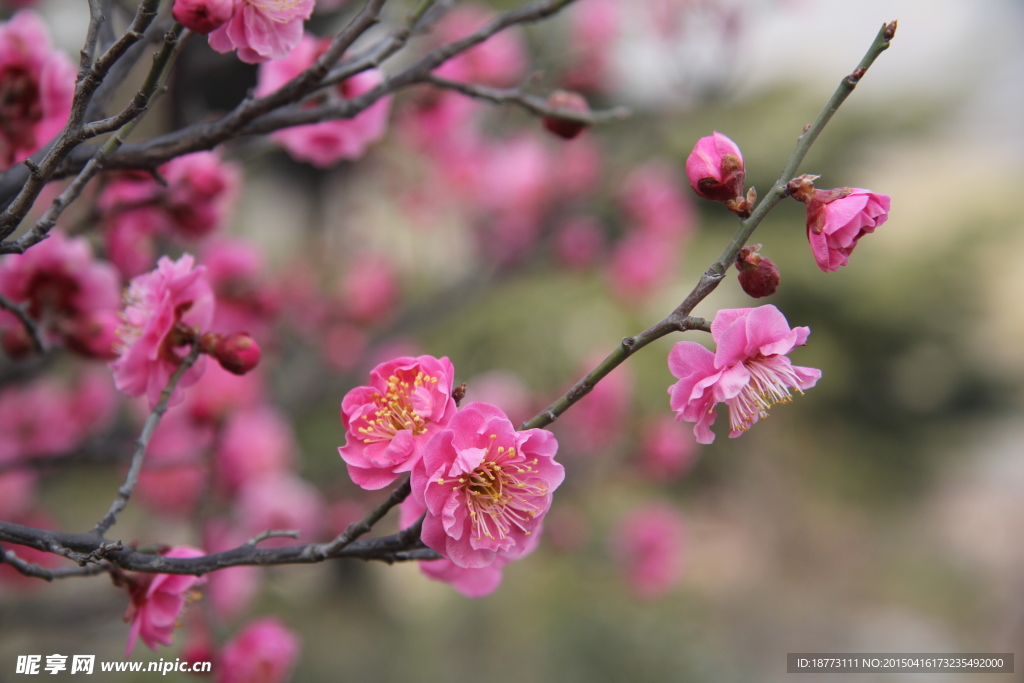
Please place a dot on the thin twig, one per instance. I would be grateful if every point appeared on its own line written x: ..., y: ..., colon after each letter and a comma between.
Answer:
x: 531, y: 103
x: 680, y: 318
x: 362, y: 527
x: 34, y: 333
x: 285, y: 533
x: 132, y: 478
x: 38, y: 572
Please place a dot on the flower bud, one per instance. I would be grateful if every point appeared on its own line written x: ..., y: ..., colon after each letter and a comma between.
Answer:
x: 237, y: 353
x: 202, y: 16
x: 715, y: 168
x: 758, y: 275
x: 570, y: 102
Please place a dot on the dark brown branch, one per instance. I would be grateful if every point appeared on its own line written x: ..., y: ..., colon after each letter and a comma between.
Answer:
x: 31, y: 328
x: 35, y: 571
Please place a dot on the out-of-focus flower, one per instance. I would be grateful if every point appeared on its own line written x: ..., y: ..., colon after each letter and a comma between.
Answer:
x: 387, y: 423
x: 73, y: 297
x: 651, y: 199
x: 265, y: 651
x: 837, y: 219
x: 715, y: 168
x: 594, y: 27
x: 174, y: 294
x: 328, y: 142
x: 156, y: 602
x: 230, y: 591
x: 254, y: 442
x: 667, y: 449
x: 17, y: 492
x: 502, y: 388
x: 485, y: 486
x: 37, y: 84
x: 749, y: 371
x: 237, y: 273
x: 578, y: 242
x: 201, y: 190
x: 263, y: 29
x: 641, y: 263
x: 202, y: 16
x: 650, y: 543
x: 500, y: 60
x: 238, y: 353
x: 599, y: 418
x: 568, y: 101
x: 129, y: 238
x: 275, y: 501
x: 369, y: 290
x: 175, y: 475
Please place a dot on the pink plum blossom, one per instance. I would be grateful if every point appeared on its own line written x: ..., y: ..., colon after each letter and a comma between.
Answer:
x: 485, y: 486
x: 369, y: 289
x: 263, y: 29
x: 37, y: 84
x: 505, y: 389
x: 201, y: 191
x: 599, y: 418
x: 652, y: 201
x: 715, y: 168
x: 650, y: 544
x: 17, y: 492
x: 265, y: 651
x: 388, y: 422
x: 202, y: 16
x: 475, y: 582
x: 254, y: 442
x: 71, y: 295
x: 749, y: 371
x: 175, y: 294
x: 219, y: 393
x: 156, y: 602
x: 232, y: 590
x: 500, y: 60
x: 579, y: 242
x: 237, y: 273
x: 175, y: 474
x: 640, y: 263
x: 328, y: 142
x: 837, y: 219
x: 129, y: 238
x: 594, y: 26
x: 666, y: 450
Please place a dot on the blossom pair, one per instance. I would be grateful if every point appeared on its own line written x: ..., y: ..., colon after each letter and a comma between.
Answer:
x: 483, y: 486
x: 836, y: 219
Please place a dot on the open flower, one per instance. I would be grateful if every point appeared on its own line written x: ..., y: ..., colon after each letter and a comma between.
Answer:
x: 749, y: 371
x: 388, y: 422
x: 265, y: 651
x: 837, y: 219
x: 156, y: 602
x: 262, y: 29
x: 160, y: 304
x: 37, y: 84
x: 486, y: 487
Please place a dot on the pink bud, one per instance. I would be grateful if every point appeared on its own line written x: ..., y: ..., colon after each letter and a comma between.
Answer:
x: 238, y: 353
x: 715, y: 168
x: 202, y: 16
x: 571, y: 102
x: 758, y: 275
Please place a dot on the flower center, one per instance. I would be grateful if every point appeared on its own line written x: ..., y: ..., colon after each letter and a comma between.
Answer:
x: 396, y: 409
x: 770, y: 383
x: 499, y: 493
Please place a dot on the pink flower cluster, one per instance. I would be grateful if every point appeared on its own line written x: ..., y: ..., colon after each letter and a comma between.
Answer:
x: 483, y: 487
x: 37, y: 84
x: 197, y: 199
x: 71, y: 296
x: 325, y: 144
x: 749, y: 371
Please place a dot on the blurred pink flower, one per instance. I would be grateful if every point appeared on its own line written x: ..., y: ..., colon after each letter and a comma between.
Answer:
x: 650, y: 544
x: 265, y: 651
x: 369, y: 289
x: 202, y: 16
x: 325, y: 144
x: 837, y: 219
x: 71, y: 295
x: 17, y: 492
x: 232, y: 590
x: 245, y: 301
x: 749, y: 371
x: 156, y: 602
x: 578, y: 167
x: 129, y: 238
x: 652, y: 200
x: 262, y: 29
x: 219, y: 393
x: 594, y: 26
x: 486, y: 487
x: 174, y: 476
x: 93, y: 401
x: 715, y: 168
x: 174, y: 294
x: 500, y: 60
x: 599, y: 419
x: 344, y: 345
x: 388, y: 422
x: 502, y: 388
x: 37, y: 420
x: 201, y: 191
x: 579, y: 242
x: 254, y: 442
x: 640, y: 263
x: 37, y: 84
x: 280, y: 501
x: 667, y: 449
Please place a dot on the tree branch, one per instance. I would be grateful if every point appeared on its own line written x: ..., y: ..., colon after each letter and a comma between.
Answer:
x: 34, y: 333
x: 680, y: 319
x: 132, y: 478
